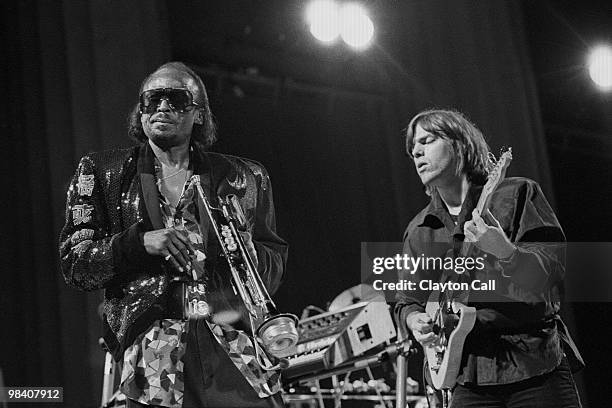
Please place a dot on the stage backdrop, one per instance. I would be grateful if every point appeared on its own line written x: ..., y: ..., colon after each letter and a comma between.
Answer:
x: 326, y: 122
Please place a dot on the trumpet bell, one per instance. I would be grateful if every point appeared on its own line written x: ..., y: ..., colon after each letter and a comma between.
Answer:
x: 279, y: 334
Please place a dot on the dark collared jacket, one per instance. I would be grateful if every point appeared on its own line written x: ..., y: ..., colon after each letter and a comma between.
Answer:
x: 518, y: 333
x: 112, y: 200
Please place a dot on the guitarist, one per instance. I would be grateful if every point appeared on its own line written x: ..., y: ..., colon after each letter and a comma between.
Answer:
x: 519, y: 353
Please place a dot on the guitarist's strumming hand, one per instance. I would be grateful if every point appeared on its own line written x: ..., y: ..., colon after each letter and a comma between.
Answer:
x: 489, y: 238
x: 421, y: 326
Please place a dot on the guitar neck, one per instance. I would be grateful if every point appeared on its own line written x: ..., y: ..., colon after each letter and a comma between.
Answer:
x: 496, y: 176
x: 483, y: 203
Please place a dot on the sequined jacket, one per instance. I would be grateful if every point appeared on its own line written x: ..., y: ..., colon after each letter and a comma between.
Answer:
x: 112, y: 201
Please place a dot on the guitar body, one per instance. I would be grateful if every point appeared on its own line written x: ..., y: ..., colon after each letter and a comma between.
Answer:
x: 444, y: 355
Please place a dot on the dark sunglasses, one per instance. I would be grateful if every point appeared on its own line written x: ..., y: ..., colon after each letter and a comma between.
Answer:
x: 180, y: 100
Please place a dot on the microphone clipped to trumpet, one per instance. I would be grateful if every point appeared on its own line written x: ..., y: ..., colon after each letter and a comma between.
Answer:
x: 276, y: 332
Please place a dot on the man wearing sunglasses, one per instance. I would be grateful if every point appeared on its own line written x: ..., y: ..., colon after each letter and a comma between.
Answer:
x: 135, y: 226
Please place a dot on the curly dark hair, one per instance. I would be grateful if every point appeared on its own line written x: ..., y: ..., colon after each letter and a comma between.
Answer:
x: 468, y: 141
x: 203, y: 135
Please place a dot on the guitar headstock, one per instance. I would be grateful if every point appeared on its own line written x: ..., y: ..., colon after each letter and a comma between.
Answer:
x: 497, y: 173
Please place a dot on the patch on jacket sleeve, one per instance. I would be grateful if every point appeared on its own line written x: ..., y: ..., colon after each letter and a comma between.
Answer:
x: 81, y: 213
x: 86, y: 184
x: 240, y: 178
x: 240, y: 182
x: 81, y: 235
x: 259, y: 173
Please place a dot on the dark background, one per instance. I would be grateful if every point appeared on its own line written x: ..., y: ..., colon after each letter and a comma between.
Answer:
x: 326, y: 121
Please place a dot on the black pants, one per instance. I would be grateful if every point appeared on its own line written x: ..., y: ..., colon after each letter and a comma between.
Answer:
x: 212, y: 379
x: 552, y: 390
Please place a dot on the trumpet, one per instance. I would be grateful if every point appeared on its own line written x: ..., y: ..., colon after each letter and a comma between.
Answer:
x: 277, y: 332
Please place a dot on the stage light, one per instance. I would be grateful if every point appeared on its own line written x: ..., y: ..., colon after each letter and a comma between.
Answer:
x: 356, y: 27
x: 322, y: 15
x: 600, y: 66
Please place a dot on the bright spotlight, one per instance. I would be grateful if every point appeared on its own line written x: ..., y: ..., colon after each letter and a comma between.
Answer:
x: 356, y: 27
x: 322, y: 15
x: 600, y: 66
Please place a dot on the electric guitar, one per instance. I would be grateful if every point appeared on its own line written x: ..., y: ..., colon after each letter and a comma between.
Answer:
x: 452, y: 320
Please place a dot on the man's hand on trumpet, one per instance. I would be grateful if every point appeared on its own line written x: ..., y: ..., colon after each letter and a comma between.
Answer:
x: 172, y: 244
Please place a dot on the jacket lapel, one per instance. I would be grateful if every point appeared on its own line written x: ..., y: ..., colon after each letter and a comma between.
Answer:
x: 202, y: 167
x: 150, y: 193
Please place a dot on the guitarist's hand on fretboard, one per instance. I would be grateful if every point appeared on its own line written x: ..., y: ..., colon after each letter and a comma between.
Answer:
x: 421, y: 326
x: 489, y: 238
